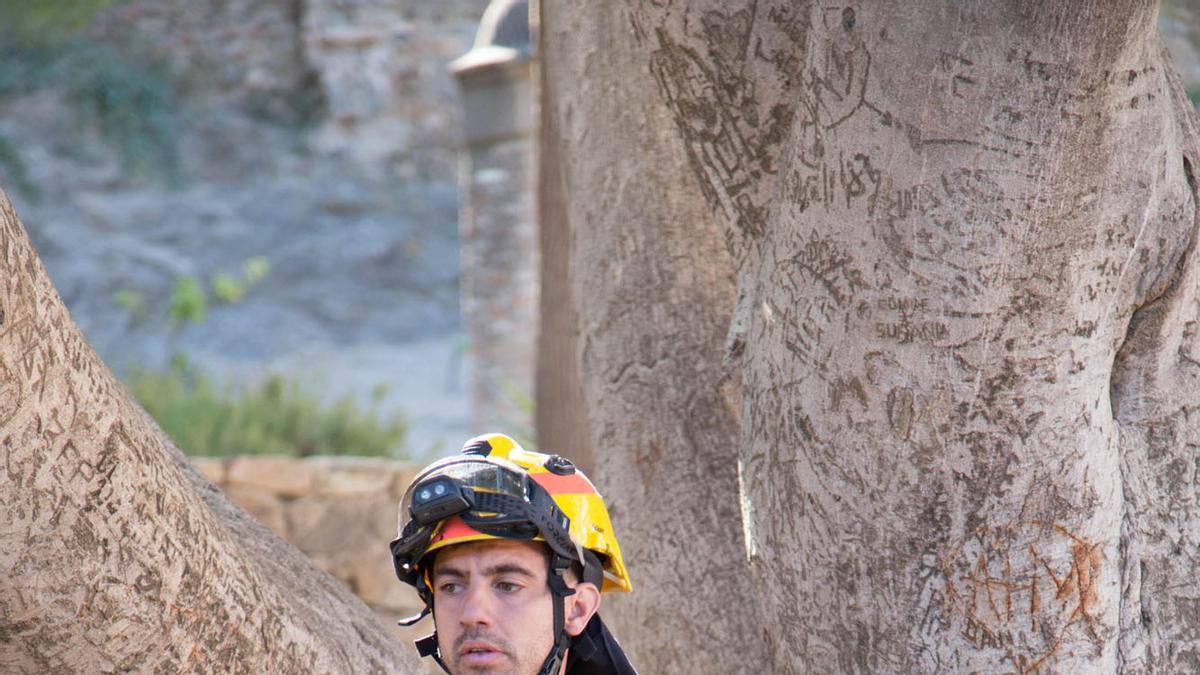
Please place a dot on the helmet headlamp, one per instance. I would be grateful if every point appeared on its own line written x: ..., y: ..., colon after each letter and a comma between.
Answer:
x: 439, y: 498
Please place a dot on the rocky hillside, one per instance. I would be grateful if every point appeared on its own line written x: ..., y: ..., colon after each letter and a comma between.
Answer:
x: 180, y: 138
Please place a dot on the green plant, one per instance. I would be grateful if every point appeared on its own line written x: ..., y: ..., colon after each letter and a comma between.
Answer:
x: 35, y: 24
x: 133, y: 302
x: 230, y: 289
x: 189, y: 300
x: 13, y: 168
x: 227, y: 288
x: 255, y: 270
x: 188, y: 303
x: 131, y: 102
x: 277, y: 417
x: 123, y: 93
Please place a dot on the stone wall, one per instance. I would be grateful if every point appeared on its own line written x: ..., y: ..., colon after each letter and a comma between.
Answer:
x: 340, y: 511
x: 382, y: 69
x: 250, y: 53
x: 371, y: 74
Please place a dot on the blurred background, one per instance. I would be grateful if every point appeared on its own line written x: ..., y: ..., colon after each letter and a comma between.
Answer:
x: 259, y: 213
x: 251, y: 209
x: 300, y: 229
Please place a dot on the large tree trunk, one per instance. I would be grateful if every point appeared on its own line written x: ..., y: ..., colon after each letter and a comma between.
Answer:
x: 655, y: 290
x: 967, y: 328
x: 115, y: 555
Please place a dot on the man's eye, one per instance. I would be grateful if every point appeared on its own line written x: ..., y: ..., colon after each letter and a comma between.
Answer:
x: 507, y: 587
x: 449, y: 587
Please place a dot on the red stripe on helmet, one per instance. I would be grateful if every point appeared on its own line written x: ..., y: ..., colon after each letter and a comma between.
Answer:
x: 454, y: 528
x: 563, y: 485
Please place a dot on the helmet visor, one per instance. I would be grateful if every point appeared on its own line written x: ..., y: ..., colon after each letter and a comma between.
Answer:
x: 447, y: 489
x: 488, y: 495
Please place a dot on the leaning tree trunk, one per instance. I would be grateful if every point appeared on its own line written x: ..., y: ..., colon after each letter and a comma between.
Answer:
x: 115, y: 555
x: 967, y: 334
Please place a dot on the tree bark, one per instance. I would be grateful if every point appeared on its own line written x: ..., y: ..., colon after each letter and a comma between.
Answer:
x: 963, y: 237
x: 655, y: 290
x: 559, y: 418
x: 116, y: 554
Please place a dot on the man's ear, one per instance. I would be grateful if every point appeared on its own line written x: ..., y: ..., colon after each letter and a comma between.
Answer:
x: 580, y: 608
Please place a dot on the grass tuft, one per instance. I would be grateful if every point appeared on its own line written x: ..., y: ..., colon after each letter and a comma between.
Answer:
x: 277, y: 417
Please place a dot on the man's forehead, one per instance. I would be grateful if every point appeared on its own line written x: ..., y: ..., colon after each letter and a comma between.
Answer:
x: 530, y: 555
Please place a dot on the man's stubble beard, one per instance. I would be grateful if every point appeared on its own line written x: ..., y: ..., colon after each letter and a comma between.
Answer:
x: 511, y: 667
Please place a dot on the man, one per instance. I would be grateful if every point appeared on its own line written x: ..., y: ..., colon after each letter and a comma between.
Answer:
x: 510, y: 551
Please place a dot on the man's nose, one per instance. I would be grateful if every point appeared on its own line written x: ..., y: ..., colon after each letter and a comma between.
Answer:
x: 477, y: 605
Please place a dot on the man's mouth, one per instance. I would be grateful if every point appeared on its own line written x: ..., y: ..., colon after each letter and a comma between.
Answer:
x: 476, y: 653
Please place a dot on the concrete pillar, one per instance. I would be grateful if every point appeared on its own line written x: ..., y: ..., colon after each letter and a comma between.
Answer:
x: 498, y: 235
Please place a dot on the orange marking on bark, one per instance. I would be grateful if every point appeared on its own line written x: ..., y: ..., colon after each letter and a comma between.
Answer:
x: 1058, y: 585
x: 1043, y: 658
x: 987, y: 585
x: 1074, y: 599
x: 1008, y: 573
x: 1033, y: 594
x: 1087, y: 561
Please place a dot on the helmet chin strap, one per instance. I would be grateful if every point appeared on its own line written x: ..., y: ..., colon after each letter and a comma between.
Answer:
x: 428, y: 645
x: 558, y: 592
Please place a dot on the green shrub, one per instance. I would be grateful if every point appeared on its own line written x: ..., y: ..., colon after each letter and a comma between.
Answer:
x: 130, y: 102
x: 187, y: 302
x: 15, y: 172
x: 277, y: 417
x: 1193, y: 94
x: 37, y: 23
x: 127, y: 96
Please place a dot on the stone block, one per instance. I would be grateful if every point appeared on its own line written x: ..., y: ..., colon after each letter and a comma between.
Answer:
x: 341, y: 477
x: 213, y: 468
x: 265, y: 507
x: 341, y: 527
x: 331, y: 565
x: 376, y: 583
x: 281, y: 476
x: 404, y: 476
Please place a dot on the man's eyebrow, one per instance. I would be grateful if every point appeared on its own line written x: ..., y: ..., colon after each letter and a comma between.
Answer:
x: 494, y: 570
x: 507, y: 568
x: 448, y: 571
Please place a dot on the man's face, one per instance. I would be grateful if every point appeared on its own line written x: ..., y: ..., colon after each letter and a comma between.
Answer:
x: 492, y: 607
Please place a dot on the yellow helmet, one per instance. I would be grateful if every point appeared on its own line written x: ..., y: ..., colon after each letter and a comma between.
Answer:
x: 496, y: 489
